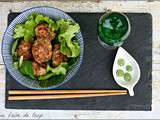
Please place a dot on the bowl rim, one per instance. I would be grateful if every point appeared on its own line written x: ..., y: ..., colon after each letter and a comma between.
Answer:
x: 79, y: 61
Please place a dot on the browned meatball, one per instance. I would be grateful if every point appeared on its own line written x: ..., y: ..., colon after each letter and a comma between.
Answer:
x: 42, y: 50
x: 57, y: 56
x: 39, y: 69
x: 45, y: 32
x: 24, y: 49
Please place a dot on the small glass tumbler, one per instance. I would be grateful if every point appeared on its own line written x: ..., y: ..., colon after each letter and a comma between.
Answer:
x: 113, y: 29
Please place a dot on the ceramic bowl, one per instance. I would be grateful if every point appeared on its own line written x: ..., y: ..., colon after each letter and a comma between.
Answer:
x: 54, y: 14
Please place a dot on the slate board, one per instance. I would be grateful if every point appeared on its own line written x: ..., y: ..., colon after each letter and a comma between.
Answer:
x: 95, y: 71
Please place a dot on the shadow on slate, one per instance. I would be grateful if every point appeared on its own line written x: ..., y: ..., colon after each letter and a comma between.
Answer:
x: 95, y: 71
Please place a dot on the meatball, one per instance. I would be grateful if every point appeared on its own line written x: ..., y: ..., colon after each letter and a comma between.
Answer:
x: 45, y: 32
x: 24, y: 49
x: 42, y: 50
x: 39, y: 69
x: 58, y: 57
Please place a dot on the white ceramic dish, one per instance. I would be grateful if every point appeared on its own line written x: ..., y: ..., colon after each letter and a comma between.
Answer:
x: 135, y: 73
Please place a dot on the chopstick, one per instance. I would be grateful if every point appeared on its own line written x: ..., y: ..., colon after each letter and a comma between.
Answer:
x: 31, y: 92
x: 66, y: 96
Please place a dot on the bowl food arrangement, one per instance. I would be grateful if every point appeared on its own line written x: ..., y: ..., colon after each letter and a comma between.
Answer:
x: 42, y: 48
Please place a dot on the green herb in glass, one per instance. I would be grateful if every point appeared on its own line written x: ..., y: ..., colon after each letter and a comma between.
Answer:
x: 113, y: 29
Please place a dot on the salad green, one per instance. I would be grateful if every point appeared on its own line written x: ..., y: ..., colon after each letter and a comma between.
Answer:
x: 68, y: 29
x: 27, y: 30
x: 27, y: 69
x: 14, y: 52
x: 60, y: 70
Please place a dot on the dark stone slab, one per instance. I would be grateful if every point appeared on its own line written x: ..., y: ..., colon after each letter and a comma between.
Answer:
x: 95, y: 71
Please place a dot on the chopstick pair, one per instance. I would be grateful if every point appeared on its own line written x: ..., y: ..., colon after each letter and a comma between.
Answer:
x: 60, y: 94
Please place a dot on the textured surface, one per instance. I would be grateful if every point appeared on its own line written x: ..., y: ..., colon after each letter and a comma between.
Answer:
x: 95, y: 72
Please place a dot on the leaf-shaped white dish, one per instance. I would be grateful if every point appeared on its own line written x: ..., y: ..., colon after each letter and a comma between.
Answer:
x: 135, y: 73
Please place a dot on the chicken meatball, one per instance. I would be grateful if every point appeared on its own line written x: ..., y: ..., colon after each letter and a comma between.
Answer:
x: 42, y: 50
x: 45, y: 32
x: 39, y: 69
x: 24, y: 49
x: 58, y: 57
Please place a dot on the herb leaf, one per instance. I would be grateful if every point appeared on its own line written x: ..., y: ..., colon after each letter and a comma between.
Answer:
x: 27, y: 69
x: 60, y: 70
x: 27, y: 31
x: 14, y: 47
x: 68, y: 29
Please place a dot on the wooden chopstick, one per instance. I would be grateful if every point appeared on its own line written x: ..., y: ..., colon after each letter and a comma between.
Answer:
x: 66, y: 96
x: 31, y: 92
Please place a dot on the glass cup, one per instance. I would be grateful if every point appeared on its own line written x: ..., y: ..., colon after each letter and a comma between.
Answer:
x: 113, y: 29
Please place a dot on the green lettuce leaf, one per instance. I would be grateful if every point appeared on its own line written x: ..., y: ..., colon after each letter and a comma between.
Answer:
x: 27, y: 69
x: 29, y: 27
x: 46, y: 76
x: 75, y: 48
x: 14, y: 47
x: 27, y: 30
x: 19, y: 31
x: 15, y: 65
x: 60, y: 70
x: 68, y: 29
x: 40, y: 18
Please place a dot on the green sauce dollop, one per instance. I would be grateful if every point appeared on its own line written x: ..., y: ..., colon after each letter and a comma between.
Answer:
x: 119, y: 73
x: 127, y: 77
x: 129, y: 68
x: 121, y: 62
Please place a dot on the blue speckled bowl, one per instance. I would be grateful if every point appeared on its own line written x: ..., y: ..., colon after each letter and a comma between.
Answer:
x: 8, y: 40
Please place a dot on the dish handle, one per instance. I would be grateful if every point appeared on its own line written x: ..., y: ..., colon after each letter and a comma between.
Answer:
x: 131, y: 92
